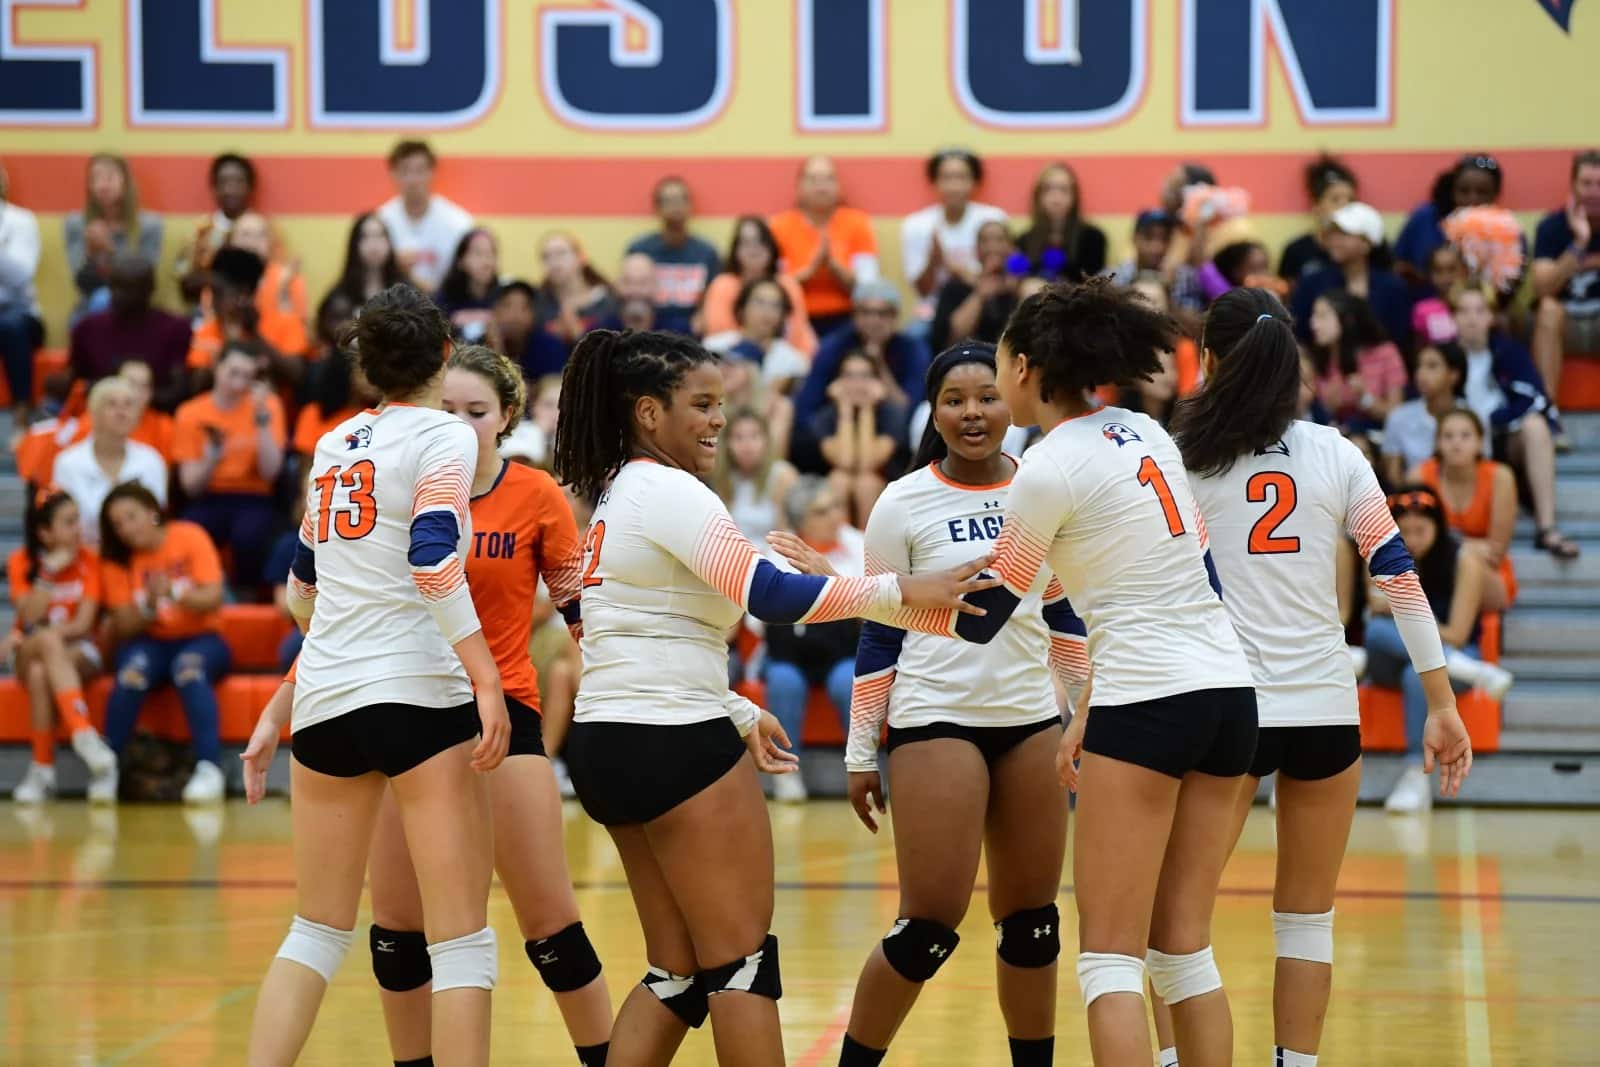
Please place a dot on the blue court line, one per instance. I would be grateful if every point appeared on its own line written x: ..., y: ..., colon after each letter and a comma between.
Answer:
x: 801, y: 887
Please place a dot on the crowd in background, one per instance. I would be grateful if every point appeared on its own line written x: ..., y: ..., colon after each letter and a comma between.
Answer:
x: 1422, y: 349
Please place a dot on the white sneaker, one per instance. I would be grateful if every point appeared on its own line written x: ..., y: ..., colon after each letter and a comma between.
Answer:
x: 37, y: 786
x: 563, y: 779
x: 1490, y: 677
x: 1412, y: 794
x: 93, y: 750
x: 1358, y: 660
x: 206, y: 784
x: 789, y: 788
x: 103, y: 787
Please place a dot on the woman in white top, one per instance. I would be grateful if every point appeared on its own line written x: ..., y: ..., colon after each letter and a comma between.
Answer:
x: 940, y: 242
x: 394, y: 681
x: 654, y: 751
x: 1278, y: 495
x: 108, y: 457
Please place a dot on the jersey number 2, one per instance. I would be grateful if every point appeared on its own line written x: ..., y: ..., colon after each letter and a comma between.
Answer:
x: 591, y: 548
x: 1150, y: 474
x: 1264, y: 540
x: 361, y: 516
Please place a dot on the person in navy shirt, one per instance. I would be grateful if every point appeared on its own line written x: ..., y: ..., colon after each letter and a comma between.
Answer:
x: 1353, y: 232
x: 1474, y: 181
x: 1566, y: 273
x: 684, y: 263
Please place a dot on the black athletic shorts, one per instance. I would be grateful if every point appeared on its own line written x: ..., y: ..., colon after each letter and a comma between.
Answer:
x: 992, y: 742
x: 527, y: 729
x: 1212, y: 731
x: 1309, y: 753
x: 626, y: 773
x: 389, y: 738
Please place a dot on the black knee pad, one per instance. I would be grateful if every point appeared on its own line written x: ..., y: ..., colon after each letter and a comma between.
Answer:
x: 1029, y: 938
x: 917, y: 948
x: 756, y: 973
x: 684, y: 995
x: 400, y: 959
x: 565, y: 960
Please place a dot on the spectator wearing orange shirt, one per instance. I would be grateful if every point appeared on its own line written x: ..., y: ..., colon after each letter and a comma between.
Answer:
x: 752, y: 256
x: 237, y: 315
x: 338, y: 391
x: 281, y: 293
x: 163, y: 588
x: 229, y: 447
x: 151, y: 427
x: 826, y: 246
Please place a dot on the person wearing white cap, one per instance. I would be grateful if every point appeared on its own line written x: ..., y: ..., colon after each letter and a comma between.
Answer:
x: 1352, y: 233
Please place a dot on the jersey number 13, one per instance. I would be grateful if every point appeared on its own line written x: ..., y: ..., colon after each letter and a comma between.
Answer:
x: 360, y: 513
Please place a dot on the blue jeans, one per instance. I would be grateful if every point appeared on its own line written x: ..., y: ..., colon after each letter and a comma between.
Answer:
x: 787, y: 692
x: 192, y: 665
x: 1389, y: 665
x: 16, y: 351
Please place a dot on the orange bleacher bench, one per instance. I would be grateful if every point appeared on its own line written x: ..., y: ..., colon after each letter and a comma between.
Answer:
x: 1580, y: 384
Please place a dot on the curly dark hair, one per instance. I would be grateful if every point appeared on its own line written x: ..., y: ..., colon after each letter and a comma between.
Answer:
x: 400, y: 340
x: 1088, y: 334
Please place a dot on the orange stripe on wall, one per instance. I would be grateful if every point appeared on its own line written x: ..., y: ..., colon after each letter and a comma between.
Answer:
x: 1536, y: 180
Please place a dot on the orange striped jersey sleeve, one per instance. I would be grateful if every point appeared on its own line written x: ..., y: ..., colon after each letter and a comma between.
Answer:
x: 440, y: 506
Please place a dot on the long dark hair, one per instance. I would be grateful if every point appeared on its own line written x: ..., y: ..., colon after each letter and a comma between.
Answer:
x: 1038, y: 236
x: 331, y: 389
x: 606, y: 375
x: 41, y: 512
x: 731, y: 264
x: 1249, y: 400
x: 1358, y: 329
x: 932, y: 447
x: 1324, y: 172
x: 1088, y: 334
x: 1436, y: 570
x: 352, y: 279
x: 113, y: 548
x: 455, y: 292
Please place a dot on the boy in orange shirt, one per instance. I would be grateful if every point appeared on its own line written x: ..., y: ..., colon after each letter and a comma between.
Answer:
x: 826, y: 247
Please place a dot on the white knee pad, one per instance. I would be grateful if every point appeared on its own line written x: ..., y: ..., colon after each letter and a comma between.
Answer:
x: 1177, y: 978
x: 1301, y: 936
x: 467, y: 962
x: 1100, y: 973
x: 321, y: 948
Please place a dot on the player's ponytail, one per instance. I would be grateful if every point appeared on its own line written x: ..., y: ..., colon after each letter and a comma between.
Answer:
x: 932, y: 447
x: 1249, y: 399
x: 1088, y: 334
x: 605, y: 376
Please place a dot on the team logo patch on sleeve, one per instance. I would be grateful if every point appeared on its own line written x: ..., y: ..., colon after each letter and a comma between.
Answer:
x: 1116, y: 431
x: 360, y: 437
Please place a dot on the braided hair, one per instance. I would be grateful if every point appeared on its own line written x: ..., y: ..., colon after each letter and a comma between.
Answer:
x: 1088, y: 334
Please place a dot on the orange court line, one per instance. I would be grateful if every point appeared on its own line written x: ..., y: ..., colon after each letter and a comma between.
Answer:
x: 1536, y: 180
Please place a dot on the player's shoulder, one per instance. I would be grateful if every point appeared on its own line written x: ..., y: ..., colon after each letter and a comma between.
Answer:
x: 1319, y: 446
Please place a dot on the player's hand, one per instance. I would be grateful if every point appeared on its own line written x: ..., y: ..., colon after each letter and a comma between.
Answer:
x: 806, y: 559
x: 1445, y: 742
x: 1070, y: 751
x: 767, y: 744
x: 496, y: 726
x: 942, y: 590
x: 258, y: 753
x: 866, y: 793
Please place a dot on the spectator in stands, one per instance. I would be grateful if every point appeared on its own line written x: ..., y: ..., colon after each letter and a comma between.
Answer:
x: 513, y: 329
x: 370, y: 265
x: 575, y: 298
x: 1473, y: 181
x: 1566, y: 273
x: 939, y: 243
x: 229, y: 447
x: 1479, y: 498
x: 55, y: 589
x: 150, y: 427
x: 109, y: 225
x: 684, y: 263
x: 131, y: 329
x: 1503, y: 389
x: 1353, y: 232
x: 753, y: 254
x: 1240, y: 262
x: 1360, y: 375
x: 636, y: 293
x: 108, y: 456
x: 799, y: 657
x: 744, y: 387
x: 1432, y: 321
x: 1188, y: 245
x: 872, y: 331
x: 1453, y: 582
x: 1330, y: 185
x: 1059, y: 244
x: 281, y: 293
x: 1156, y: 395
x: 1153, y: 232
x: 860, y: 432
x: 761, y: 309
x: 1410, y: 431
x: 236, y: 317
x: 20, y: 327
x: 338, y: 391
x: 333, y: 314
x: 163, y: 588
x: 979, y: 306
x: 424, y: 226
x: 233, y: 187
x: 470, y: 286
x: 530, y: 441
x: 751, y: 477
x: 828, y: 248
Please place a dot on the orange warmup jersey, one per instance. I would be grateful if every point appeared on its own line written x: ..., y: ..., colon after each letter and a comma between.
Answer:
x: 522, y: 530
x: 188, y: 559
x: 70, y: 586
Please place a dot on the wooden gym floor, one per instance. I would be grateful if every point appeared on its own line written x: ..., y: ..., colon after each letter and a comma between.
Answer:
x: 137, y: 937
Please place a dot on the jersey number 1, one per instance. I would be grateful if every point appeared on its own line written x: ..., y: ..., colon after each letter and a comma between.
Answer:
x: 1264, y: 540
x: 361, y: 516
x: 1150, y: 474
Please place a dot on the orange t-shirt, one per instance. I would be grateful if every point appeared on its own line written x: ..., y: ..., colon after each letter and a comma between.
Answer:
x: 70, y: 586
x: 236, y: 470
x: 723, y: 292
x: 42, y: 442
x: 311, y: 424
x: 1473, y: 521
x: 188, y: 559
x: 522, y: 530
x: 154, y: 429
x: 849, y: 233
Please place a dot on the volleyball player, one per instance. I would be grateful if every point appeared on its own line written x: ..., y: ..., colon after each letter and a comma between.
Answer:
x: 395, y: 680
x: 973, y: 732
x: 1278, y: 496
x: 654, y: 751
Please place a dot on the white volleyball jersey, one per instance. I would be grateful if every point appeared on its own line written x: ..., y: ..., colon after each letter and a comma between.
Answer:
x: 1275, y: 520
x: 1104, y: 502
x: 666, y: 574
x: 386, y: 528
